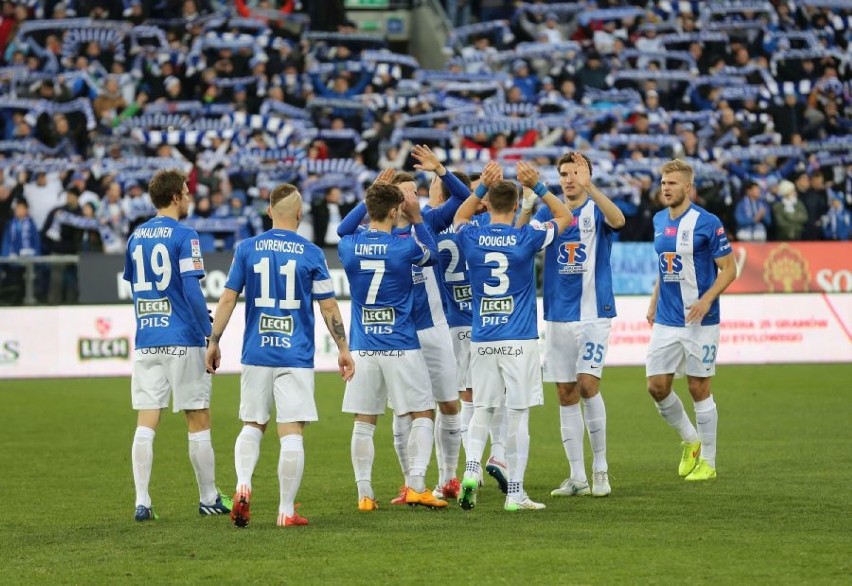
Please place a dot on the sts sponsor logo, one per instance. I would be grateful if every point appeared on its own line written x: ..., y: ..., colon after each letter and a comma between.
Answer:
x: 103, y: 346
x: 153, y: 313
x: 275, y: 331
x: 572, y: 257
x: 10, y: 351
x: 671, y: 264
x: 379, y: 320
x: 496, y: 310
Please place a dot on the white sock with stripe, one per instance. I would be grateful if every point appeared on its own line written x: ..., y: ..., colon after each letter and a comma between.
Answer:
x: 420, y: 448
x: 707, y: 419
x: 465, y: 417
x: 673, y: 412
x: 401, y: 433
x: 518, y: 447
x: 498, y: 429
x: 571, y: 428
x: 594, y: 413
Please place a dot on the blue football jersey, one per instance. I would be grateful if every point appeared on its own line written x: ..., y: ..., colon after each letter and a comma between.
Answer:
x: 686, y: 249
x: 282, y: 274
x: 159, y: 254
x: 378, y: 265
x: 500, y: 259
x: 577, y: 270
x: 454, y: 277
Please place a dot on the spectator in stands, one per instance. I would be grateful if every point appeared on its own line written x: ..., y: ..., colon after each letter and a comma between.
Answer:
x: 789, y: 213
x: 110, y: 213
x: 593, y: 72
x: 59, y: 235
x: 20, y: 238
x: 91, y: 239
x: 814, y: 196
x: 42, y: 194
x: 752, y: 215
x: 326, y: 215
x: 837, y: 222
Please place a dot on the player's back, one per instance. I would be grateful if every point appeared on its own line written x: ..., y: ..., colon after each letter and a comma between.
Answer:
x: 282, y: 274
x: 577, y: 267
x: 454, y: 278
x: 159, y: 254
x: 500, y: 259
x: 687, y: 248
x: 378, y: 266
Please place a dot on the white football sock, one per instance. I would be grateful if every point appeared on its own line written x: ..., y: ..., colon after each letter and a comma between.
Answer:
x: 246, y: 453
x: 420, y: 448
x: 465, y: 416
x: 204, y: 463
x: 142, y: 456
x: 571, y: 426
x: 401, y: 433
x: 707, y: 418
x: 363, y: 454
x: 498, y: 430
x: 594, y: 413
x: 673, y: 412
x: 291, y: 464
x: 518, y: 446
x: 451, y: 442
x: 477, y: 436
x: 439, y: 447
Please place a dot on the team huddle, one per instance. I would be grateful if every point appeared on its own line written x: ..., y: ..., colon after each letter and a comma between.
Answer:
x: 443, y: 330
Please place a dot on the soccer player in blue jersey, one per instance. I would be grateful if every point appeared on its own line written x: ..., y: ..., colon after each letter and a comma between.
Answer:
x: 505, y: 361
x: 578, y: 309
x: 696, y: 265
x: 281, y: 273
x: 389, y: 363
x: 163, y: 264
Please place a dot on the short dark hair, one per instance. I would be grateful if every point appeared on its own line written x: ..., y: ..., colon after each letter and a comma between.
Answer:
x: 503, y: 196
x: 402, y: 177
x: 164, y: 185
x: 445, y: 191
x: 381, y: 198
x: 282, y: 191
x: 568, y: 158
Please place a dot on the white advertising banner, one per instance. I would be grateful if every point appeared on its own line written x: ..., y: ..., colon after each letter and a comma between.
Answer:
x: 756, y: 329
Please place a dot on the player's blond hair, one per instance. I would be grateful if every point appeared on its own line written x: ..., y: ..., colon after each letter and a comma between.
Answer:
x: 679, y: 166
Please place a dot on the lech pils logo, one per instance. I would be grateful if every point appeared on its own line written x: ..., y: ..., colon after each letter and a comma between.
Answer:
x: 381, y: 315
x: 160, y: 306
x: 275, y: 324
x: 462, y: 293
x: 500, y: 305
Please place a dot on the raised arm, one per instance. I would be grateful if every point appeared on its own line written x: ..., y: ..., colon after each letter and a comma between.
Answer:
x: 349, y: 224
x: 612, y: 215
x: 529, y: 177
x: 491, y: 174
x: 334, y: 322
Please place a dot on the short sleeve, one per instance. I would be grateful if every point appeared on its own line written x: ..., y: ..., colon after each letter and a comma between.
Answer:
x: 236, y: 275
x: 542, y: 234
x: 191, y: 263
x: 719, y: 245
x: 322, y: 287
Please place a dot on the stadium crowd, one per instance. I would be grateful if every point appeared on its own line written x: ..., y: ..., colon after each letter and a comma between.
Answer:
x: 95, y: 97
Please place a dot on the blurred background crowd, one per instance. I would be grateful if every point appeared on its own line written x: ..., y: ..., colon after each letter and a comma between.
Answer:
x: 96, y: 96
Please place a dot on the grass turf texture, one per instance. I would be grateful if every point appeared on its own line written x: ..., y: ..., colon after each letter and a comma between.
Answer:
x: 779, y: 512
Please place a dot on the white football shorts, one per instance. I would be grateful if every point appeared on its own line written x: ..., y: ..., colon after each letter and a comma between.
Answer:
x: 437, y: 349
x: 510, y: 369
x: 290, y: 389
x: 170, y: 371
x: 461, y: 348
x: 572, y: 348
x: 381, y: 376
x: 683, y: 350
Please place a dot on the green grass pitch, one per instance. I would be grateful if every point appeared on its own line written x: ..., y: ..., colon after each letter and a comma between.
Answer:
x: 780, y: 511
